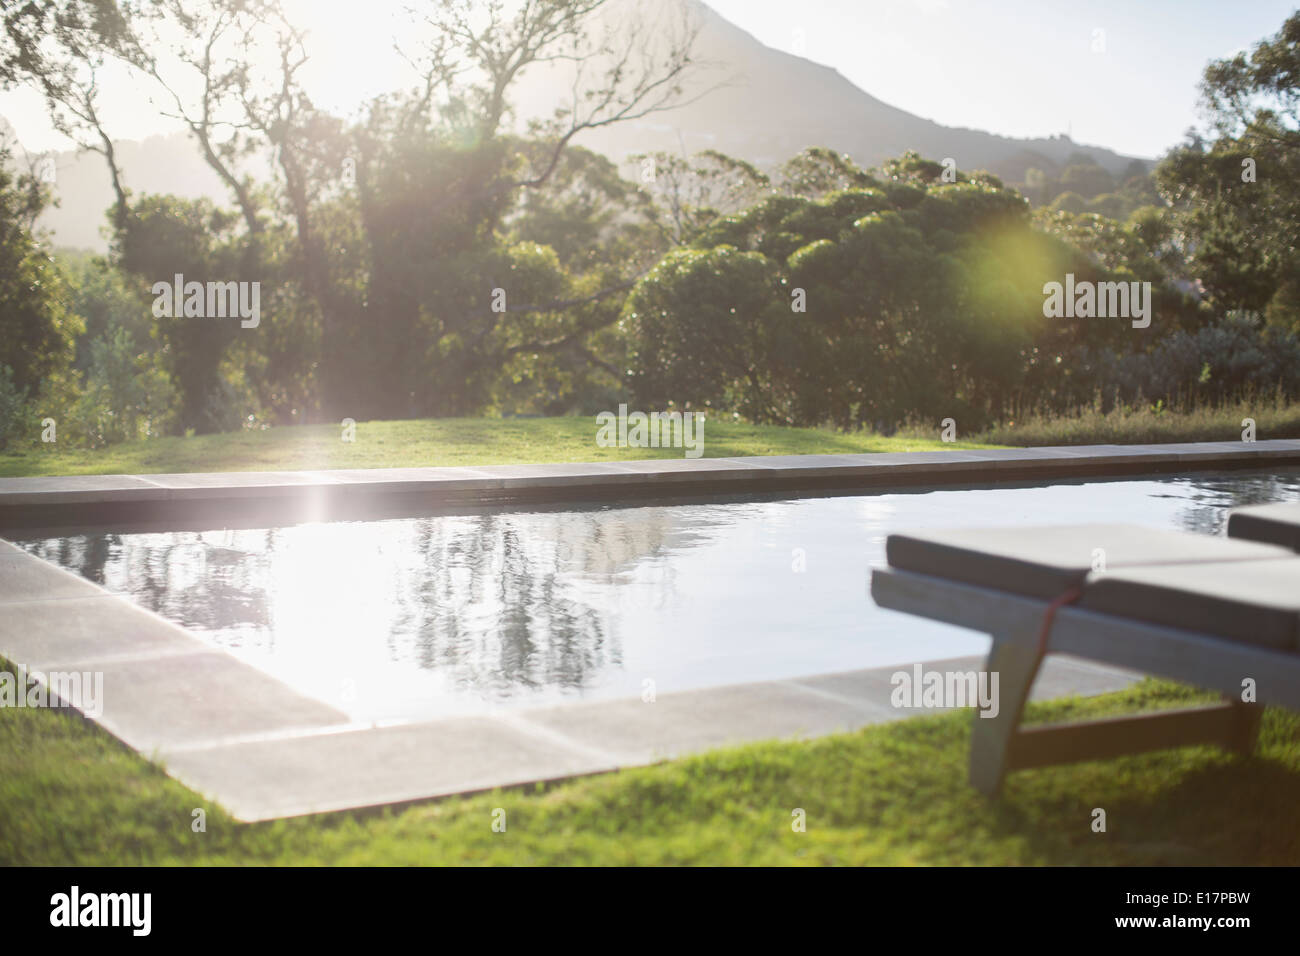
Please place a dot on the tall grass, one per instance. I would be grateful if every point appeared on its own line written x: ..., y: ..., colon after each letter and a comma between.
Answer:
x: 1136, y: 424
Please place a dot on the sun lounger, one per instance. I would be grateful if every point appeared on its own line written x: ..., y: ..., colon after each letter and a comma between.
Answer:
x: 1274, y: 524
x: 1218, y: 613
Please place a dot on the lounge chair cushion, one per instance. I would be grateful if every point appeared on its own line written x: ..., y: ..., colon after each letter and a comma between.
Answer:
x: 1274, y: 524
x: 1045, y: 562
x: 1257, y: 602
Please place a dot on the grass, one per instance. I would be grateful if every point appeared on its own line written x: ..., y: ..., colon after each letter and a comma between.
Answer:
x: 1146, y: 424
x: 429, y: 442
x: 893, y: 794
x: 494, y: 441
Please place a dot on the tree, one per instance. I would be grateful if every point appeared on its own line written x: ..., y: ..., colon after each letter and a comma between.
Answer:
x: 913, y: 297
x: 686, y: 196
x: 1236, y: 208
x: 58, y: 47
x: 37, y: 333
x: 384, y: 241
x: 166, y: 236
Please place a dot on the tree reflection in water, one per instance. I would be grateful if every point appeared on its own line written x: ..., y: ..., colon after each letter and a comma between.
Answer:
x: 1210, y: 498
x: 497, y: 603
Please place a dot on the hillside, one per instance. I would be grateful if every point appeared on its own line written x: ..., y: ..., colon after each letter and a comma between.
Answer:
x: 755, y: 102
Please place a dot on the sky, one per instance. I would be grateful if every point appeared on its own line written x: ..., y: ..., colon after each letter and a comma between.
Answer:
x: 1024, y: 67
x: 1118, y: 74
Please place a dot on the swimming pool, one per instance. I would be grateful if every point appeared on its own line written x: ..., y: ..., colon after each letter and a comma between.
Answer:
x: 468, y: 613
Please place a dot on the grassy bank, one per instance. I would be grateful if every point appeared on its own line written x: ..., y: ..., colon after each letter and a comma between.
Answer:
x: 893, y: 794
x: 1143, y: 425
x: 493, y: 441
x: 429, y: 442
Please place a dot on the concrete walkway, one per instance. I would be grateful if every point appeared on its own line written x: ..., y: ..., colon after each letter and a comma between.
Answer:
x: 316, y: 495
x: 262, y: 750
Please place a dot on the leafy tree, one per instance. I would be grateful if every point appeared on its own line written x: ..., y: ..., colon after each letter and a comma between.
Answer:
x: 384, y: 272
x: 1237, y: 212
x: 701, y: 324
x: 1070, y: 202
x: 37, y: 333
x: 911, y: 297
x: 165, y: 237
x: 1087, y: 179
x: 127, y: 394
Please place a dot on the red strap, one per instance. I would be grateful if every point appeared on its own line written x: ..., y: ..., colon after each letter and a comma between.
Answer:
x: 1069, y: 597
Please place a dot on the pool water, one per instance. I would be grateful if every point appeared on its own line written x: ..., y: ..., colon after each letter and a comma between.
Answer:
x: 469, y: 613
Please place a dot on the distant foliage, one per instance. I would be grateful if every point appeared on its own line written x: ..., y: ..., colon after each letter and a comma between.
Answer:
x: 923, y: 298
x: 424, y: 258
x: 14, y: 424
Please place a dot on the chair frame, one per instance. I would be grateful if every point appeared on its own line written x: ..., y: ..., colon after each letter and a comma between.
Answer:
x: 999, y: 744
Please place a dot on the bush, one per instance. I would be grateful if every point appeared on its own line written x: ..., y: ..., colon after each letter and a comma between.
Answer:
x: 14, y: 422
x: 1226, y: 360
x: 127, y: 396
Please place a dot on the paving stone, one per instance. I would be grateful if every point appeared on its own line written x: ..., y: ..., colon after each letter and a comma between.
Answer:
x: 913, y: 463
x: 698, y: 720
x: 296, y: 774
x: 395, y: 476
x: 1064, y: 676
x: 236, y: 484
x: 874, y: 688
x: 201, y: 698
x: 1128, y: 454
x: 1281, y: 446
x: 27, y: 578
x: 1031, y: 459
x: 814, y: 465
x: 76, y: 489
x: 313, y: 487
x: 374, y: 766
x: 728, y: 475
x: 63, y: 633
x: 1059, y: 676
x: 1212, y: 450
x: 512, y: 477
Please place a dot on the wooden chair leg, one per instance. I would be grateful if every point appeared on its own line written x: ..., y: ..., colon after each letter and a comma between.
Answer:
x: 1245, y: 727
x: 1016, y: 664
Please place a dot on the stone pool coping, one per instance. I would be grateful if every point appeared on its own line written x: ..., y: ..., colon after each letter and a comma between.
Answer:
x: 263, y: 750
x: 307, y: 495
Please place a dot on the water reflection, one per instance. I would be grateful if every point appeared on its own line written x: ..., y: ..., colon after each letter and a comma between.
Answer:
x: 1207, y: 500
x: 467, y: 612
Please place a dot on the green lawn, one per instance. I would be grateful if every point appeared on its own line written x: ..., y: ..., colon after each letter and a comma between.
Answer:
x: 494, y: 441
x: 893, y: 794
x: 429, y: 442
